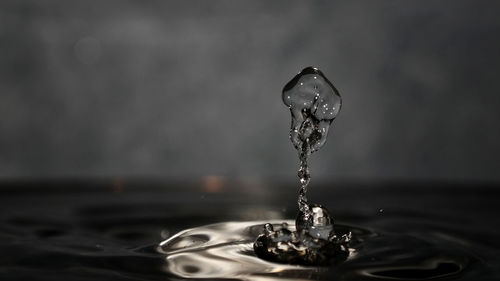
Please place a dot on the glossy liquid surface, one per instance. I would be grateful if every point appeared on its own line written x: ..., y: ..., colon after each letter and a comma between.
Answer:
x: 111, y: 231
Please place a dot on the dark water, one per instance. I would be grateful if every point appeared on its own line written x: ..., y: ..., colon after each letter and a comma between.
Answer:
x: 112, y: 230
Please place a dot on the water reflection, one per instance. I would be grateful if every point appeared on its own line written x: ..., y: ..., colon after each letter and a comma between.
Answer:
x: 225, y: 251
x: 102, y: 235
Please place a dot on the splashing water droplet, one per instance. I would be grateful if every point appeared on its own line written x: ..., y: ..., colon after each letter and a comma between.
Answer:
x: 230, y: 250
x: 314, y: 103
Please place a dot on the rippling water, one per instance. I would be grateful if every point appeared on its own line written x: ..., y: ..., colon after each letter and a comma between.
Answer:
x: 154, y: 231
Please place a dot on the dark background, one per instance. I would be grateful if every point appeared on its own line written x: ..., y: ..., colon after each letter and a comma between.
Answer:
x: 187, y: 89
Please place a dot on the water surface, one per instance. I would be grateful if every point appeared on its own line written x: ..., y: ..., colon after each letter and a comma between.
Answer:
x: 100, y: 230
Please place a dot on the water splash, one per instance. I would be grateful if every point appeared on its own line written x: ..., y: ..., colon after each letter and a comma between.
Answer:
x: 224, y: 251
x: 314, y: 103
x: 230, y: 251
x: 315, y: 246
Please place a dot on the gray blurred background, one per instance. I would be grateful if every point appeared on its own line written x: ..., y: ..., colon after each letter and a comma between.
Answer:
x: 186, y: 89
